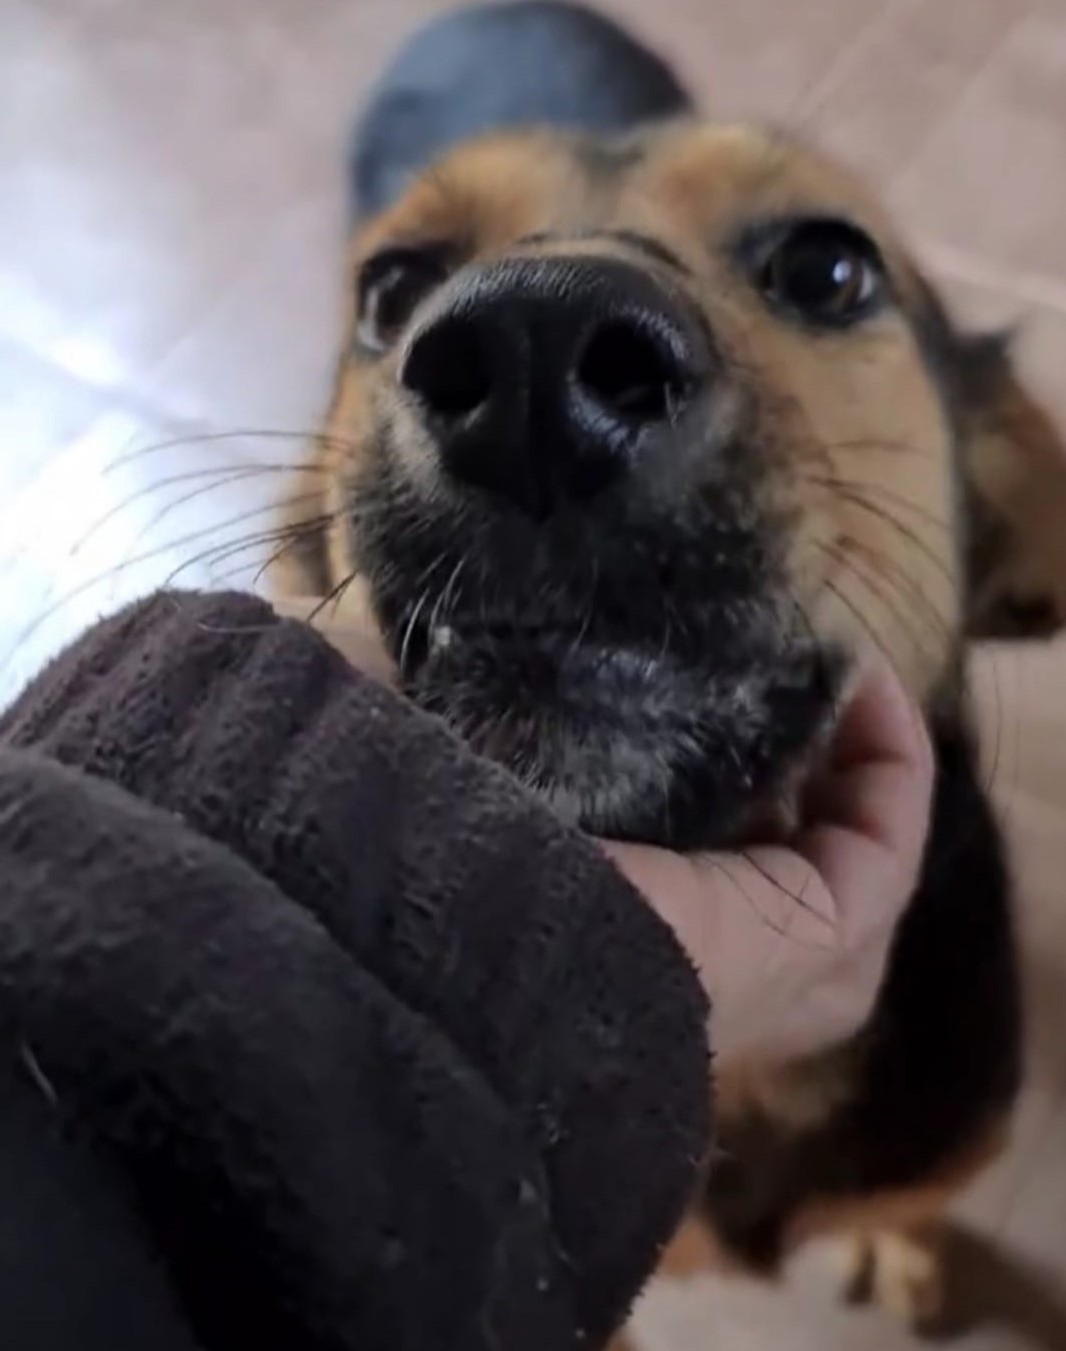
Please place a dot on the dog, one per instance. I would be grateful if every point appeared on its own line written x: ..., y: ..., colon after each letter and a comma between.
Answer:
x: 643, y: 429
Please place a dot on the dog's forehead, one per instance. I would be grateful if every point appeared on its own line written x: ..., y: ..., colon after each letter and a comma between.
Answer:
x: 709, y: 176
x: 690, y: 178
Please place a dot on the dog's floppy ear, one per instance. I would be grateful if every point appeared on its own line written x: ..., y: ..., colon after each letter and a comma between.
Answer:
x: 1013, y: 462
x: 1012, y: 471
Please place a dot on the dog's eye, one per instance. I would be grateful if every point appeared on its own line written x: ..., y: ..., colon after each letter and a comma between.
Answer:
x: 391, y: 286
x: 823, y: 272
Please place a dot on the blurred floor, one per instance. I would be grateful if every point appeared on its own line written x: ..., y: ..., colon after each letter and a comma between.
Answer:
x: 170, y: 242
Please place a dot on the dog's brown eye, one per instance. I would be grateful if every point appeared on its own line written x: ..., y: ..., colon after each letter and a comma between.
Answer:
x: 390, y: 289
x: 823, y: 272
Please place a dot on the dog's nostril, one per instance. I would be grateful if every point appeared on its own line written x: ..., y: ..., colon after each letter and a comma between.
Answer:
x: 626, y: 371
x: 543, y: 381
x: 448, y: 368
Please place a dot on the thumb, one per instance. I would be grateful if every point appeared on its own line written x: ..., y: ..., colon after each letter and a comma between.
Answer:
x: 868, y: 812
x: 760, y: 929
x: 791, y: 942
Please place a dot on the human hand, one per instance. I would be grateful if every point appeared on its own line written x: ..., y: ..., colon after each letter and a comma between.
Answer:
x: 791, y: 942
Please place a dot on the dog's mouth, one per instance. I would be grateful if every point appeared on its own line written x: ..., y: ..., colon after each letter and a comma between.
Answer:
x: 621, y: 734
x: 641, y: 665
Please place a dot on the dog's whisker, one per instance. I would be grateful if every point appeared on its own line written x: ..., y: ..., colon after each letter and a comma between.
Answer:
x: 718, y: 864
x: 883, y: 590
x: 589, y: 609
x: 51, y: 610
x: 299, y: 533
x: 912, y: 536
x: 946, y: 630
x: 894, y: 572
x: 841, y: 563
x: 232, y: 548
x: 855, y: 487
x: 881, y: 443
x: 798, y: 898
x: 440, y: 610
x: 240, y: 548
x: 798, y: 609
x: 218, y: 474
x: 409, y: 629
x: 334, y: 596
x: 191, y: 439
x: 297, y: 537
x: 218, y: 480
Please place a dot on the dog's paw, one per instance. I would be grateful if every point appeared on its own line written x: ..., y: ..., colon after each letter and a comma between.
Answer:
x: 900, y: 1271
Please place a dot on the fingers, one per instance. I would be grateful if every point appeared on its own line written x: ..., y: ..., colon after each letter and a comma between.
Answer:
x: 791, y: 943
x: 868, y: 817
x: 761, y: 932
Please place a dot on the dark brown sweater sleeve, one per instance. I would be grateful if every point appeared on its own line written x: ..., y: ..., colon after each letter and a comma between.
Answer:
x: 387, y: 1057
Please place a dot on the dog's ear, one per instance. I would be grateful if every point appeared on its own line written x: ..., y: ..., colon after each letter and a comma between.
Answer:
x: 1012, y: 471
x: 1013, y: 462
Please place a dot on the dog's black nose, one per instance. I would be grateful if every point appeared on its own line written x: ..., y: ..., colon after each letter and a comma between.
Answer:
x: 545, y: 379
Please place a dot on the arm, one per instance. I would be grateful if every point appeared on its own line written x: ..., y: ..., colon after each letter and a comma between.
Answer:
x: 387, y: 1057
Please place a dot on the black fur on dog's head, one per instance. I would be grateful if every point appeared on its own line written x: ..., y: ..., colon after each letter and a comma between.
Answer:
x: 805, y: 457
x: 499, y: 67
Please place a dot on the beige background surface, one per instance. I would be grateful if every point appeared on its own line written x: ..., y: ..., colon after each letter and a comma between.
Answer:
x: 170, y: 234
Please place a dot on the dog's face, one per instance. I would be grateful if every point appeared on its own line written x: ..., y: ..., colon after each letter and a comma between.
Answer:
x: 639, y: 444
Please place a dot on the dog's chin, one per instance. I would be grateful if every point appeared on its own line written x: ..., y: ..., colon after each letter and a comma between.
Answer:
x: 630, y: 742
